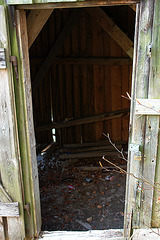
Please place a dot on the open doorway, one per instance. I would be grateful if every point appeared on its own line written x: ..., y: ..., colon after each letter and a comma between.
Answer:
x: 79, y: 99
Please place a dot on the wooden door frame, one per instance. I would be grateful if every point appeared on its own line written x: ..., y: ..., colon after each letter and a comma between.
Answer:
x: 137, y: 74
x: 22, y: 43
x: 27, y: 101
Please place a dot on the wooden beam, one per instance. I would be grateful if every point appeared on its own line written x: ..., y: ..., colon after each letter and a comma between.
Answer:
x: 79, y: 4
x: 89, y: 154
x: 112, y: 29
x: 110, y: 61
x: 9, y: 209
x: 91, y: 168
x: 133, y: 7
x: 111, y: 234
x: 91, y: 148
x: 89, y: 144
x: 35, y: 22
x: 4, y: 196
x: 93, y: 61
x: 55, y: 48
x: 91, y: 119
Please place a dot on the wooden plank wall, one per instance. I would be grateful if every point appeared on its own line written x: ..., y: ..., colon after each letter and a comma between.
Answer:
x: 76, y: 91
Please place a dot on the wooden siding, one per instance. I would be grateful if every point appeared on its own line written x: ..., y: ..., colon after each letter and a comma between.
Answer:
x: 81, y: 90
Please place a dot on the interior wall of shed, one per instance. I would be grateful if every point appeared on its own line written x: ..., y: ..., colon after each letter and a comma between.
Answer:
x: 72, y: 91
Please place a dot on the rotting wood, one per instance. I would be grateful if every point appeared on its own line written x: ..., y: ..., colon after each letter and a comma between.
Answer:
x: 92, y: 119
x: 88, y: 60
x: 56, y: 46
x: 9, y: 209
x: 112, y: 29
x: 80, y: 4
x: 35, y: 22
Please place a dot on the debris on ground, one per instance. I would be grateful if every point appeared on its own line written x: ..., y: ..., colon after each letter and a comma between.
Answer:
x: 76, y: 198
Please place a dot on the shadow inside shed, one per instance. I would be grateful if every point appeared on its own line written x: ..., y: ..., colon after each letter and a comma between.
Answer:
x: 86, y: 73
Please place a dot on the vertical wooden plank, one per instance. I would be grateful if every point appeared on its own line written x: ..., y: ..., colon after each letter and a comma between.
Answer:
x: 83, y: 77
x: 2, y: 234
x: 30, y: 137
x: 125, y: 102
x: 152, y: 123
x: 116, y: 101
x: 10, y: 169
x: 59, y: 85
x: 89, y: 52
x: 115, y: 50
x: 76, y: 83
x: 141, y: 67
x: 98, y: 78
x: 107, y: 84
x: 154, y: 147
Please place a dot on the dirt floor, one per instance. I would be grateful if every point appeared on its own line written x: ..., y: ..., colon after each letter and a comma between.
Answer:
x: 75, y: 198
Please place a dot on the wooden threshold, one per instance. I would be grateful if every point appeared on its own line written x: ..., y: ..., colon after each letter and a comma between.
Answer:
x: 112, y: 234
x: 80, y: 4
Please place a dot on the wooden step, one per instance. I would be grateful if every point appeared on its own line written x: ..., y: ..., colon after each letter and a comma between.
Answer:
x: 112, y: 234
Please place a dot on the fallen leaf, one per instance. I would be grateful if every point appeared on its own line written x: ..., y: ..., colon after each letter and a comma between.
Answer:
x: 99, y: 206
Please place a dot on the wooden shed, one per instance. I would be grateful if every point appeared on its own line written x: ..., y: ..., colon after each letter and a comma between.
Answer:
x: 72, y: 71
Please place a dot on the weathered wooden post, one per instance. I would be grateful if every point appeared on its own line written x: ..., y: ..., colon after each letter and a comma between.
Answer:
x: 142, y: 190
x: 11, y: 186
x: 18, y: 166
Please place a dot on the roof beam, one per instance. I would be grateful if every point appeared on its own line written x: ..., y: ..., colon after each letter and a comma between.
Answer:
x: 35, y: 22
x: 112, y: 29
x: 56, y: 46
x: 86, y: 3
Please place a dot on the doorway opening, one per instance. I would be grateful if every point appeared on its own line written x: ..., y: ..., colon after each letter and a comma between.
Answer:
x: 79, y: 98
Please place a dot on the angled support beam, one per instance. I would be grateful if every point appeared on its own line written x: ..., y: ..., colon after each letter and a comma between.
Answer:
x: 133, y: 7
x: 55, y: 48
x: 35, y: 22
x: 81, y: 121
x: 112, y: 29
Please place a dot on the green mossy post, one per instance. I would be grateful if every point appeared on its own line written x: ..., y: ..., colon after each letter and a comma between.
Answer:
x: 27, y: 171
x: 31, y: 195
x: 10, y: 165
x: 20, y: 109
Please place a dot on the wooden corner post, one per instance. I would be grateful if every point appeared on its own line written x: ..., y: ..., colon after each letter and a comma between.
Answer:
x: 12, y: 225
x: 142, y: 191
x: 19, y: 187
